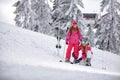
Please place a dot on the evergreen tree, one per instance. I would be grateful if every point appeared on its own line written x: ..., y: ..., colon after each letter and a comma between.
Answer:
x: 22, y: 13
x: 42, y: 11
x: 33, y: 15
x: 109, y: 27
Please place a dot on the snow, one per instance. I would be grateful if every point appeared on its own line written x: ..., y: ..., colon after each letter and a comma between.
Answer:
x: 27, y: 55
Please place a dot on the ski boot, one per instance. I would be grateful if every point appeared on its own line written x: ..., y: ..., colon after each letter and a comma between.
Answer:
x: 67, y: 60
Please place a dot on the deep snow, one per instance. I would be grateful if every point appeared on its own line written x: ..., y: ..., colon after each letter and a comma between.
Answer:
x: 27, y: 55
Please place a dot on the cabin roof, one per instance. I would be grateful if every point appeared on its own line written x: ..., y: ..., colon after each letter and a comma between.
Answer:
x: 89, y: 15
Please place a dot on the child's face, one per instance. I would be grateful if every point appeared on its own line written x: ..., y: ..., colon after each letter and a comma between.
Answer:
x: 84, y: 45
x: 75, y: 26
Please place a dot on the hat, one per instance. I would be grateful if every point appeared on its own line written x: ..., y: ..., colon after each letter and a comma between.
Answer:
x: 83, y: 42
x: 74, y: 22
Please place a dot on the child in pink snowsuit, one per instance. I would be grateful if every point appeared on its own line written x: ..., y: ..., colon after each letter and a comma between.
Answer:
x: 86, y: 54
x: 73, y: 40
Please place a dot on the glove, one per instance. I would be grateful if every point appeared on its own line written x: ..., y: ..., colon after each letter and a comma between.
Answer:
x: 67, y: 42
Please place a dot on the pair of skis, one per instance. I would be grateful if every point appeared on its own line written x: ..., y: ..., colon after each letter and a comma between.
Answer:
x: 72, y: 62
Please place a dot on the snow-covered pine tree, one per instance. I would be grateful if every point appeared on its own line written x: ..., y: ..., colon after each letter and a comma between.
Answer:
x: 90, y: 35
x: 42, y: 10
x: 22, y: 13
x: 18, y: 14
x: 33, y: 15
x: 109, y: 27
x: 64, y: 11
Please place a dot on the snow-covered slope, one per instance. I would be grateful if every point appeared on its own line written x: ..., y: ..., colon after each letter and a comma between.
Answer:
x: 27, y: 55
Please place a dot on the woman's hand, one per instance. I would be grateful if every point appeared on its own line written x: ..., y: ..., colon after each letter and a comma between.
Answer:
x: 67, y: 42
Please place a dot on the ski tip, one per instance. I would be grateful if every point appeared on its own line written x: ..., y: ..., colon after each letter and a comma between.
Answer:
x: 60, y: 61
x: 71, y: 63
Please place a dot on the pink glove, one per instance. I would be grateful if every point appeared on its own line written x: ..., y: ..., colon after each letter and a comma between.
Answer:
x: 67, y: 42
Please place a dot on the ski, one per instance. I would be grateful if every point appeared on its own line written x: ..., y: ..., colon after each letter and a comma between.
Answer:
x: 74, y: 63
x: 66, y: 62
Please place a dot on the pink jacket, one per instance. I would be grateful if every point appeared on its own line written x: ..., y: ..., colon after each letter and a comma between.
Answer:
x: 89, y: 48
x: 74, y: 38
x: 84, y: 55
